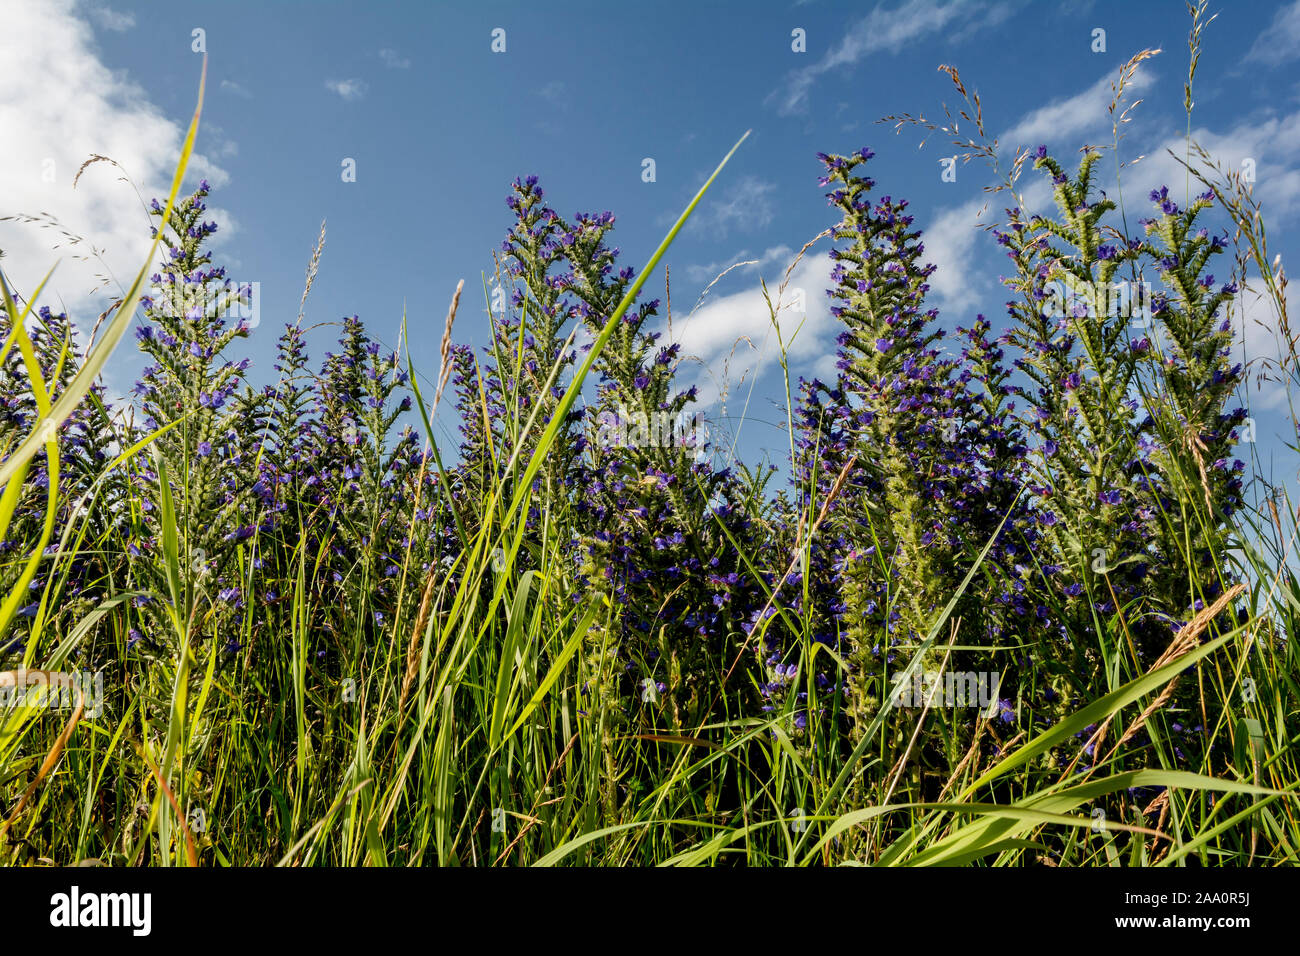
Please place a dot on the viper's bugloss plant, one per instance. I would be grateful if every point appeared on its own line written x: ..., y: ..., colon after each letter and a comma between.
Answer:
x: 1192, y: 423
x: 919, y: 450
x: 653, y: 508
x: 647, y: 522
x: 1128, y: 393
x: 189, y: 394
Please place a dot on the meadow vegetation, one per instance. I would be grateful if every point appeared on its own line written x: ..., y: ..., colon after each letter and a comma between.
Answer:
x: 1012, y: 597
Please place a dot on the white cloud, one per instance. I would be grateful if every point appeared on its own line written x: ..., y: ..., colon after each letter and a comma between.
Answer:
x: 730, y: 341
x: 394, y: 60
x: 109, y: 19
x: 59, y: 104
x: 351, y: 90
x: 1065, y: 120
x: 1272, y: 142
x: 219, y: 144
x: 230, y: 86
x: 882, y: 30
x: 990, y: 16
x: 951, y: 241
x: 1280, y: 41
x: 744, y: 205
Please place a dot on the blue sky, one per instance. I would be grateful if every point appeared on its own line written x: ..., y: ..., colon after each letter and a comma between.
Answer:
x: 438, y: 125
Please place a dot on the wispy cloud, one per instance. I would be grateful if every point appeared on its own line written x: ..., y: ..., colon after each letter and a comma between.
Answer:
x: 745, y: 205
x: 1270, y: 141
x: 704, y: 274
x: 217, y: 142
x: 230, y: 86
x: 1280, y: 41
x: 351, y: 90
x: 730, y: 341
x: 882, y: 30
x: 556, y: 92
x: 109, y: 19
x: 1066, y: 119
x: 394, y: 60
